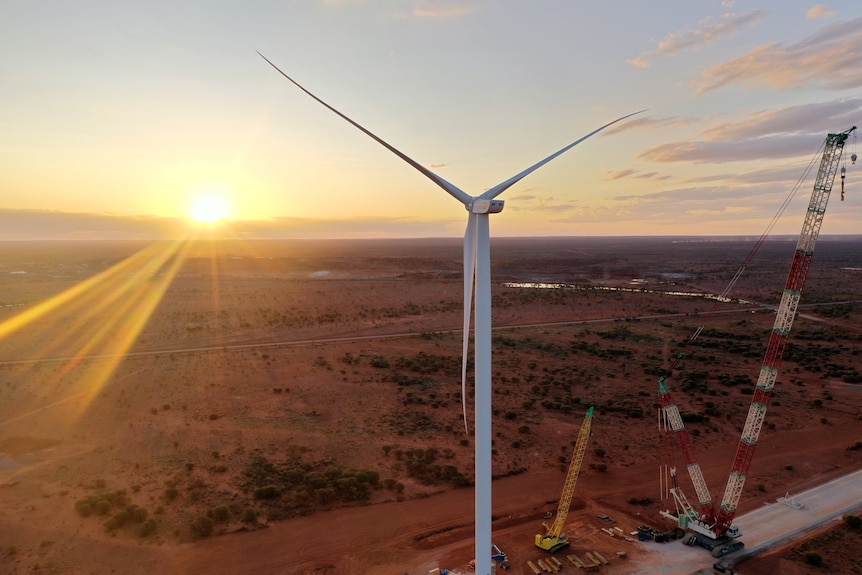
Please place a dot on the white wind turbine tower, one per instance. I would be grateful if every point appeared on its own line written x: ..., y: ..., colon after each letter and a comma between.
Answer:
x: 477, y: 265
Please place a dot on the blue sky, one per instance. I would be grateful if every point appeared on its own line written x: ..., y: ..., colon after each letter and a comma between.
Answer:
x: 118, y: 115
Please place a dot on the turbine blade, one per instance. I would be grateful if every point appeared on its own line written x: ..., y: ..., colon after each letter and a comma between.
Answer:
x: 452, y: 189
x: 503, y: 186
x: 469, y: 278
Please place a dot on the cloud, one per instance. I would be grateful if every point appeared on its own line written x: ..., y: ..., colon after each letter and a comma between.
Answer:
x: 644, y: 121
x: 782, y: 146
x: 785, y: 132
x: 764, y: 176
x: 46, y: 224
x: 819, y: 11
x: 534, y: 203
x: 721, y: 211
x: 370, y: 227
x: 806, y: 118
x: 828, y: 58
x: 707, y: 32
x: 718, y: 198
x: 443, y: 9
x: 436, y: 166
x: 619, y: 174
x: 630, y: 173
x: 53, y: 225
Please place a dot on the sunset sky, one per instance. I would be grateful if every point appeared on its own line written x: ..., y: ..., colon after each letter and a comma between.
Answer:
x: 117, y: 117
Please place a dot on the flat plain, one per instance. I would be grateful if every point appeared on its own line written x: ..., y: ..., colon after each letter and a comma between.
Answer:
x: 295, y: 406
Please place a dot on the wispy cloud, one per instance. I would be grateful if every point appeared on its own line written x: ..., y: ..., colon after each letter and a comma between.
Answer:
x: 717, y: 198
x: 808, y: 118
x: 540, y: 204
x: 785, y: 132
x: 828, y: 58
x: 638, y: 175
x: 647, y: 122
x: 819, y: 11
x: 708, y: 31
x: 639, y: 62
x: 47, y: 224
x: 764, y: 176
x: 52, y: 225
x: 620, y: 174
x: 782, y: 146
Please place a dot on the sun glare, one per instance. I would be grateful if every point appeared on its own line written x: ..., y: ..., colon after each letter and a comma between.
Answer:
x: 209, y: 209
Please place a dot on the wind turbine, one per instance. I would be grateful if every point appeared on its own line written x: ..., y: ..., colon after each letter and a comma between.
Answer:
x: 477, y: 266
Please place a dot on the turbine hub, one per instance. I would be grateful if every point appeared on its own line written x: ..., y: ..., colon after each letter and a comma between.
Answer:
x: 480, y: 206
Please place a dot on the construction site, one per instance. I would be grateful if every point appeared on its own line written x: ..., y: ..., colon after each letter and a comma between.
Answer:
x: 708, y: 527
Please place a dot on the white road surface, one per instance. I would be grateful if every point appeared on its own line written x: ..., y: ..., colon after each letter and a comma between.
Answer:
x: 772, y: 525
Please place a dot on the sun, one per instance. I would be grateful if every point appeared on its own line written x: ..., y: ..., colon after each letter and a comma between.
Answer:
x: 209, y: 209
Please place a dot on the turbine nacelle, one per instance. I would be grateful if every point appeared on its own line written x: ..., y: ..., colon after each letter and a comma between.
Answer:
x: 480, y: 206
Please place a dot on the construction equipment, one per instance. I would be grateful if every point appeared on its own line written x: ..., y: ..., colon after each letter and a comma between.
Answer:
x: 554, y: 539
x: 716, y: 525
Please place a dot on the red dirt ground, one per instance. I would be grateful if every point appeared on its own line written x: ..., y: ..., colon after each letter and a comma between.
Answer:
x: 214, y: 384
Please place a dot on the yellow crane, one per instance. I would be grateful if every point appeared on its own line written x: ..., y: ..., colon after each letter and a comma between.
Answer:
x: 554, y: 539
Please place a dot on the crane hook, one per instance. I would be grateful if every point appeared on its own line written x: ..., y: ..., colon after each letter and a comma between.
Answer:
x: 843, y: 174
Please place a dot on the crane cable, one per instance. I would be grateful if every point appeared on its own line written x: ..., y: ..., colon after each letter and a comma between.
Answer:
x: 724, y: 297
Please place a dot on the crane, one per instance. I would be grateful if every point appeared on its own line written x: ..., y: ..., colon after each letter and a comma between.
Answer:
x: 718, y: 524
x: 553, y: 540
x: 783, y: 322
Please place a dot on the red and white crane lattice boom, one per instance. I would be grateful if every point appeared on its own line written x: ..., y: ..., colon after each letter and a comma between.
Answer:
x: 719, y: 524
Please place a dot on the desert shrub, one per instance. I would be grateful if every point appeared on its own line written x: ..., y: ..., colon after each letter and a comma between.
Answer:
x: 689, y: 417
x: 601, y: 467
x: 147, y: 528
x: 852, y: 521
x: 100, y: 504
x: 814, y: 559
x: 267, y: 492
x: 249, y: 515
x: 202, y: 526
x: 599, y: 452
x: 116, y: 521
x: 220, y: 513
